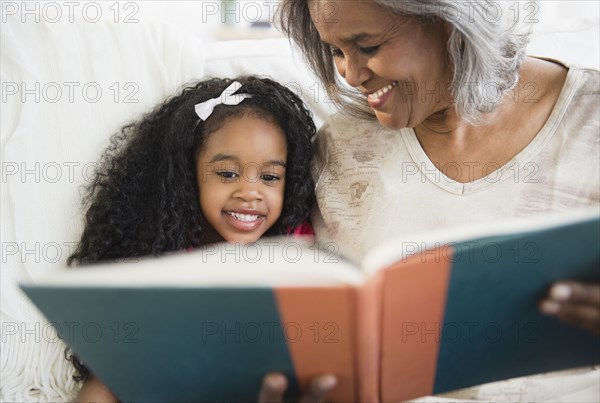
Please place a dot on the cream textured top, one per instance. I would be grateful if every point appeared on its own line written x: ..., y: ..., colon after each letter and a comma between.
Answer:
x: 374, y: 184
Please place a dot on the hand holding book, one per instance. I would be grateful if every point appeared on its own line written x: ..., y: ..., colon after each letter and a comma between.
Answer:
x: 273, y: 388
x: 456, y: 313
x: 576, y: 303
x: 275, y: 384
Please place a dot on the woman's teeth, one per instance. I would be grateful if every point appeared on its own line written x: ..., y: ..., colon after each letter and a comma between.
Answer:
x: 243, y: 217
x: 382, y: 91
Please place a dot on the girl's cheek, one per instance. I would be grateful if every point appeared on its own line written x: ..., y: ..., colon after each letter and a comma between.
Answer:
x: 276, y: 196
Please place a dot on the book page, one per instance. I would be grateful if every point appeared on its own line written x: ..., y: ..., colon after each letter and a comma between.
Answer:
x: 397, y: 249
x: 280, y: 261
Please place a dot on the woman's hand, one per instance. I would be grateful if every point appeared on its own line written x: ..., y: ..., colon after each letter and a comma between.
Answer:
x: 274, y: 386
x: 576, y: 303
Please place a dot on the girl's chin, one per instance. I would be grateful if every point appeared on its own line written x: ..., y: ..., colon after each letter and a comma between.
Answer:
x: 243, y: 240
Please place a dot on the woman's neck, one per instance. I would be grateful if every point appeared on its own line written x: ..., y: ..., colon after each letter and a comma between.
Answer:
x: 446, y: 139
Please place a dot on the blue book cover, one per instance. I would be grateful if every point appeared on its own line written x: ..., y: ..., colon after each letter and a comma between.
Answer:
x: 207, y: 325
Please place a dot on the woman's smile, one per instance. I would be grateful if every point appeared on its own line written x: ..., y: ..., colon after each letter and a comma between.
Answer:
x: 377, y: 99
x: 396, y: 61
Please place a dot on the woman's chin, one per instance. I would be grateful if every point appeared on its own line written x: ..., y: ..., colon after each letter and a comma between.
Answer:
x: 391, y: 121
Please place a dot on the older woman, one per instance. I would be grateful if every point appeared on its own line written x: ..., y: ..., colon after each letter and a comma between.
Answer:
x: 446, y: 122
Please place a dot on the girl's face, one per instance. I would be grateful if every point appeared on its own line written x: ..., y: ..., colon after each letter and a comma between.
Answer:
x: 395, y: 61
x: 241, y: 178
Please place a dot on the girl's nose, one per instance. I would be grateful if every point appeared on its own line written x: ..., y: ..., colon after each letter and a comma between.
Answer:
x: 248, y: 187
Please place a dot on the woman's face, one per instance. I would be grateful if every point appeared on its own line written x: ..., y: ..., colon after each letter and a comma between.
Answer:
x: 399, y: 64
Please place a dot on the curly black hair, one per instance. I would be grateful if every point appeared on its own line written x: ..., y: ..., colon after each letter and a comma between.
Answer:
x: 144, y: 200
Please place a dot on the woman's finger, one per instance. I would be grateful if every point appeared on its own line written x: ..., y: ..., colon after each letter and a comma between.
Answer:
x: 573, y: 291
x: 586, y: 316
x: 319, y: 387
x: 272, y: 389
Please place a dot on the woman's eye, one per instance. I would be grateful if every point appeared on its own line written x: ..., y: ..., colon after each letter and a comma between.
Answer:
x: 337, y: 52
x: 227, y: 175
x: 368, y: 50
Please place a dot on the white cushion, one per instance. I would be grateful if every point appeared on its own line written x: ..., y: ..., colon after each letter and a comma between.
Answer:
x: 54, y: 127
x: 271, y: 58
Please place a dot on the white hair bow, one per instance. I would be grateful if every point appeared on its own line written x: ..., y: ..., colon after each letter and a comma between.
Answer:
x: 205, y: 109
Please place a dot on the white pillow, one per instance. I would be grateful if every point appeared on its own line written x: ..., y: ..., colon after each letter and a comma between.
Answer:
x: 272, y: 58
x: 54, y: 127
x: 66, y: 88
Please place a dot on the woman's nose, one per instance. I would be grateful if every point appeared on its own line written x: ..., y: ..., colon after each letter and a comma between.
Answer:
x: 354, y: 70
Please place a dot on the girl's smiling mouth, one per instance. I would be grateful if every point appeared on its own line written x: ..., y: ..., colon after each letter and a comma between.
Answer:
x: 245, y: 220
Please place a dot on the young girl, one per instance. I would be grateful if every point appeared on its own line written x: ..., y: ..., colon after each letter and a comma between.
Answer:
x: 225, y: 160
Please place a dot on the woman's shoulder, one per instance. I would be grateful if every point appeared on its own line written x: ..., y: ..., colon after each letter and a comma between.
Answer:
x: 347, y: 140
x: 570, y: 90
x: 576, y: 117
x: 583, y: 84
x: 341, y: 121
x: 342, y: 126
x: 581, y: 79
x: 589, y: 83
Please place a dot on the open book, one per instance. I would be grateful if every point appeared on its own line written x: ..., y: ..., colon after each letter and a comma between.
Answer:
x: 437, y: 313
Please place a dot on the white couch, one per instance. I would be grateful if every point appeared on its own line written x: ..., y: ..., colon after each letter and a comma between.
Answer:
x: 66, y: 87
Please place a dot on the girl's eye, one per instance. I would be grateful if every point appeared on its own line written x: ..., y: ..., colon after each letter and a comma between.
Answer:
x: 227, y: 175
x: 369, y: 50
x: 270, y: 178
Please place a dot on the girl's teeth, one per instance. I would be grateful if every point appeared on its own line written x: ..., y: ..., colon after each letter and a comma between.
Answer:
x: 382, y: 91
x: 243, y: 217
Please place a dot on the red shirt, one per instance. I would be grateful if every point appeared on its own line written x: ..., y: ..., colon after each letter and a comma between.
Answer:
x: 303, y: 229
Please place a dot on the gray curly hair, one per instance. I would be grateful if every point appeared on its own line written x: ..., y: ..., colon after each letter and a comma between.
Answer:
x: 486, y: 48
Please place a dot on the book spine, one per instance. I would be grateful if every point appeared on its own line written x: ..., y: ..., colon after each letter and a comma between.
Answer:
x: 320, y: 324
x: 369, y: 318
x: 413, y: 307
